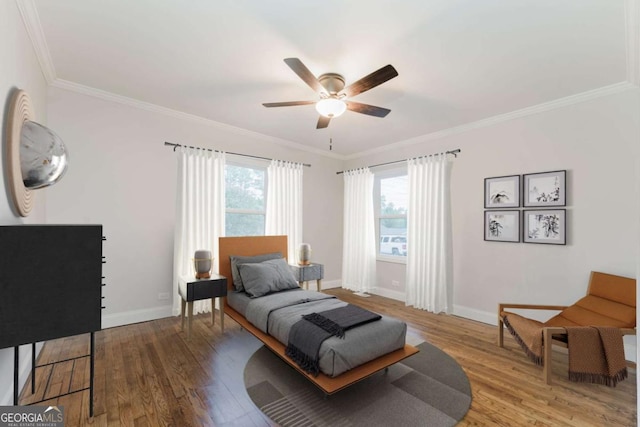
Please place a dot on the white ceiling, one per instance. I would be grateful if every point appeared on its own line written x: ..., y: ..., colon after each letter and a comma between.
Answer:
x: 459, y: 61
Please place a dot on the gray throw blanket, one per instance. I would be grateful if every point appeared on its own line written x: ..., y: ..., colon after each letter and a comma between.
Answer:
x: 307, y: 335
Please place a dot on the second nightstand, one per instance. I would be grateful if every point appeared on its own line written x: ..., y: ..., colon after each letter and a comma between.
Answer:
x: 304, y: 273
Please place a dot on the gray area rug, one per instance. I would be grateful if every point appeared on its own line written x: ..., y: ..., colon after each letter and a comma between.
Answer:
x: 426, y: 389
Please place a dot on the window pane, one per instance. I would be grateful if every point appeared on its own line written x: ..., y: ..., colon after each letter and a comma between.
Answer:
x: 392, y: 226
x: 244, y: 224
x: 393, y: 236
x: 244, y: 188
x: 394, y: 195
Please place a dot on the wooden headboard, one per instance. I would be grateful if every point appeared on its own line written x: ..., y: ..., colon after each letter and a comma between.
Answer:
x: 247, y: 246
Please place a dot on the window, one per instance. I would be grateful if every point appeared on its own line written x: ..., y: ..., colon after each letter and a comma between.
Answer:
x: 392, y: 202
x: 245, y: 199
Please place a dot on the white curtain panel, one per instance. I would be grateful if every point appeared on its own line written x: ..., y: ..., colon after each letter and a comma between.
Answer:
x: 359, y: 242
x: 284, y: 204
x: 200, y: 204
x: 429, y: 279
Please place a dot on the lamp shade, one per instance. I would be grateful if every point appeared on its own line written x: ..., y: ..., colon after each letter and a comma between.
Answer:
x: 202, y: 263
x: 304, y: 254
x: 331, y: 107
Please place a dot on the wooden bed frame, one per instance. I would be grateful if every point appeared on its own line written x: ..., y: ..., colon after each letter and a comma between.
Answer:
x: 256, y: 245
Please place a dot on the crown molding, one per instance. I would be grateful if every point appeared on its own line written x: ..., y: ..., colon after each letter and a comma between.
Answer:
x: 536, y: 109
x: 147, y: 106
x: 529, y: 111
x: 31, y: 19
x: 632, y: 38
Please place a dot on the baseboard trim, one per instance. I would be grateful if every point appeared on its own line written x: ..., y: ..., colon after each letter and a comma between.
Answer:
x: 329, y: 284
x: 389, y: 293
x: 136, y: 316
x: 475, y: 314
x: 458, y: 310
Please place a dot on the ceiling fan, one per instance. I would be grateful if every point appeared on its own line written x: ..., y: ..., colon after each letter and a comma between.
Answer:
x: 333, y: 94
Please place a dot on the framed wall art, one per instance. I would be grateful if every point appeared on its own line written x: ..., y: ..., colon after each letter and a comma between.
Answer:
x: 502, y: 226
x: 502, y: 192
x: 547, y: 226
x: 545, y: 189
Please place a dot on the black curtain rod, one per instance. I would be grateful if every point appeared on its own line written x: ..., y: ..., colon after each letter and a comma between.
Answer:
x: 454, y: 152
x: 171, y: 144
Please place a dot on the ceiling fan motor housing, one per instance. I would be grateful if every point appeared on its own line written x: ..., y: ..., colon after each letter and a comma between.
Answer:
x: 333, y: 82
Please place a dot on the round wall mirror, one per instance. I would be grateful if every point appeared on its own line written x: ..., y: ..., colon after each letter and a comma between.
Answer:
x: 36, y: 156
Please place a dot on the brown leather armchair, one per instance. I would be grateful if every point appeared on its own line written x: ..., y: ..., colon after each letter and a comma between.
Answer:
x: 610, y: 301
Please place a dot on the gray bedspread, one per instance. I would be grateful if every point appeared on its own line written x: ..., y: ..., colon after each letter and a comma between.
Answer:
x: 307, y: 335
x: 275, y: 314
x: 259, y: 310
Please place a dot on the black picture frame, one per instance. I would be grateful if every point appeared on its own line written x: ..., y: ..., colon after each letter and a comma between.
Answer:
x: 502, y: 192
x: 502, y: 226
x: 544, y: 226
x: 544, y: 189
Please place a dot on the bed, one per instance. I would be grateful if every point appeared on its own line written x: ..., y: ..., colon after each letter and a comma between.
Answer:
x: 365, y: 350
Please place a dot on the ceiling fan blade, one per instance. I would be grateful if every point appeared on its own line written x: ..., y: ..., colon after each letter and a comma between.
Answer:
x: 303, y: 72
x: 370, y: 110
x: 372, y: 80
x: 288, y: 104
x: 323, y: 122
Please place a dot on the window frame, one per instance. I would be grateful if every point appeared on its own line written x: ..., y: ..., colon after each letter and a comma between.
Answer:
x: 390, y: 172
x: 248, y: 163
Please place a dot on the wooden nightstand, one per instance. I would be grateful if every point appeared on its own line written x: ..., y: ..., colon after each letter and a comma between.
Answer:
x: 191, y: 289
x: 304, y: 273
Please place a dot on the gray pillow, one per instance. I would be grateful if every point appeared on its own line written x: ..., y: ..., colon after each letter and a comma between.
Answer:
x: 267, y: 277
x: 239, y: 260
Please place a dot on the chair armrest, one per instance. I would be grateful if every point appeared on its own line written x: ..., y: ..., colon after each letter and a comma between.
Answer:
x: 504, y: 305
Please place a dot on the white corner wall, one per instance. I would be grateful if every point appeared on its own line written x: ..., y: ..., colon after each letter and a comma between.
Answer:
x: 595, y: 141
x: 122, y: 176
x: 19, y: 69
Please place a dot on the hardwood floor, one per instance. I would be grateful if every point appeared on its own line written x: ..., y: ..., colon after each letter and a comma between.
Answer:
x: 148, y: 374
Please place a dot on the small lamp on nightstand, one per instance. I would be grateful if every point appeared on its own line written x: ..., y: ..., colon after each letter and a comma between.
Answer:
x: 202, y: 263
x: 304, y: 254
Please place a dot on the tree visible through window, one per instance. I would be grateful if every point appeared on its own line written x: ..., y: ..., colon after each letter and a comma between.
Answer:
x: 392, y: 218
x: 244, y: 200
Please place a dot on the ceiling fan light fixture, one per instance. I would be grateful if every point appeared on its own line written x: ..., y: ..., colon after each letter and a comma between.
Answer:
x: 331, y: 107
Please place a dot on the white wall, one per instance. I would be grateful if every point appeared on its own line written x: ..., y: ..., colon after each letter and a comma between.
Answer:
x: 122, y: 176
x: 595, y: 142
x: 19, y: 70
